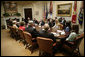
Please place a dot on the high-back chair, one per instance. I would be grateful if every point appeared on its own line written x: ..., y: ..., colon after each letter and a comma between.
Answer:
x: 15, y: 32
x: 21, y: 34
x: 11, y: 31
x: 45, y: 44
x: 30, y: 45
x: 76, y: 28
x: 22, y: 37
x: 74, y: 45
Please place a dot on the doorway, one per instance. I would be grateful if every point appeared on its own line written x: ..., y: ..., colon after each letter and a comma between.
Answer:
x: 28, y: 13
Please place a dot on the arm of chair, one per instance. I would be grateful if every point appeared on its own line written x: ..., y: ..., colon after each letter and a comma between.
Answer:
x: 70, y: 42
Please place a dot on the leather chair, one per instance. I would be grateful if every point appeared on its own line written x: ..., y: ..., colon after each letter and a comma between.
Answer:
x: 30, y: 45
x: 73, y: 46
x: 75, y: 27
x: 46, y: 45
x: 13, y: 32
x: 17, y: 34
x: 21, y: 35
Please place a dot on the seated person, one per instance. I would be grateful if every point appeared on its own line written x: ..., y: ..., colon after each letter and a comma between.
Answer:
x: 32, y: 30
x: 57, y: 25
x: 22, y: 27
x: 46, y: 34
x: 67, y: 29
x: 53, y: 22
x: 18, y: 24
x: 35, y: 21
x: 60, y: 27
x: 42, y: 23
x: 63, y: 22
x: 14, y: 24
x: 10, y: 22
x: 72, y: 36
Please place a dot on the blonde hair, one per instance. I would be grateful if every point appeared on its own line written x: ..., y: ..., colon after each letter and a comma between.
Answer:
x: 56, y: 21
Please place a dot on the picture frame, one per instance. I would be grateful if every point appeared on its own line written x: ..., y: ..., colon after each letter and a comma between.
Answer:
x: 64, y: 10
x: 10, y: 7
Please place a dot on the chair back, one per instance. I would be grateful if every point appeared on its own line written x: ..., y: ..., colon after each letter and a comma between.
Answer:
x: 78, y: 39
x: 28, y: 38
x: 21, y: 33
x: 11, y: 31
x: 45, y: 44
x: 75, y: 28
x: 14, y: 31
x: 9, y: 27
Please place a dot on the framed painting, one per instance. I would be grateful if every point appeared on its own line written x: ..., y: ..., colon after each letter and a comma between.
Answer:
x: 64, y: 10
x: 10, y: 7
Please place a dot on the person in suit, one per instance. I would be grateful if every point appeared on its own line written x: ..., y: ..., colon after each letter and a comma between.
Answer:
x: 46, y: 34
x: 53, y: 22
x: 31, y: 29
x: 42, y: 23
x: 35, y: 21
x: 10, y: 22
x: 63, y: 22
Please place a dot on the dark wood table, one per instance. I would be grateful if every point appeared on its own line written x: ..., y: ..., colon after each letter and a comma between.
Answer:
x: 61, y: 36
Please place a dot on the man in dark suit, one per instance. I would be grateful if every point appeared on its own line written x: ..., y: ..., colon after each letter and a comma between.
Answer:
x: 63, y: 22
x: 32, y: 30
x: 46, y: 34
x: 10, y: 22
x: 35, y: 21
x: 42, y: 23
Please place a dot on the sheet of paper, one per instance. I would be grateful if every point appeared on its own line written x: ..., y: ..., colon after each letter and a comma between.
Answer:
x: 55, y: 34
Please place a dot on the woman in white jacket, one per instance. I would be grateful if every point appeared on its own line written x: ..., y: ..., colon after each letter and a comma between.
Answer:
x: 57, y: 26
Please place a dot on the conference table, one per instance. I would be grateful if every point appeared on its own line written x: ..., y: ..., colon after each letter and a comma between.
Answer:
x: 60, y: 34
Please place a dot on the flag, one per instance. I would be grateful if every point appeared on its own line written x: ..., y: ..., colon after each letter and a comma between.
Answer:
x: 74, y: 16
x: 81, y: 15
x: 44, y: 14
x: 80, y: 18
x: 46, y: 11
x: 51, y: 9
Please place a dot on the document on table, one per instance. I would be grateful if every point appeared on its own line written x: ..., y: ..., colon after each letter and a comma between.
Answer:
x: 55, y: 34
x: 61, y: 31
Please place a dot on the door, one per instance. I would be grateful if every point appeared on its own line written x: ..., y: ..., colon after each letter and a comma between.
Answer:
x: 28, y: 13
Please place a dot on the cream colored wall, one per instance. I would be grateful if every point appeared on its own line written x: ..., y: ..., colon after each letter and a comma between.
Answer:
x: 2, y: 12
x: 37, y: 6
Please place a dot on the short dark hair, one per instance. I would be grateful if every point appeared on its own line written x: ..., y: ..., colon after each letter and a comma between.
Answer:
x: 22, y: 23
x: 73, y: 31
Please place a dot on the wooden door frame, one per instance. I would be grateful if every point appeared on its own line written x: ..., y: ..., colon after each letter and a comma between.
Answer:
x: 24, y: 12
